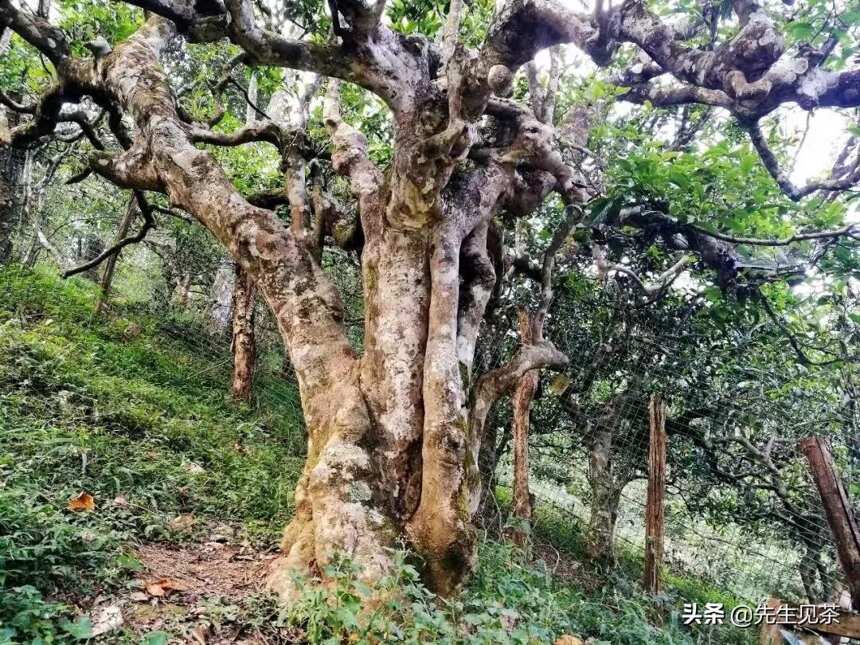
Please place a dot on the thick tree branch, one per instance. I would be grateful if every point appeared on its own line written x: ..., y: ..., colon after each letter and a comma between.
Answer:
x: 524, y: 27
x: 478, y: 279
x: 202, y: 22
x: 451, y: 32
x: 362, y: 17
x: 350, y: 157
x: 37, y: 31
x: 163, y: 158
x: 46, y: 116
x: 258, y: 131
x: 15, y: 106
x: 373, y: 56
x: 661, y: 95
x: 717, y: 251
x: 502, y: 380
x: 268, y: 48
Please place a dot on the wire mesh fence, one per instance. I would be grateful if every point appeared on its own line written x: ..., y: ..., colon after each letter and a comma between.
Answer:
x: 742, y: 509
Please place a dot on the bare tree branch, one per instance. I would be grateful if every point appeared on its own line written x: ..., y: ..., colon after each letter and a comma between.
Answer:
x: 148, y: 225
x: 850, y: 230
x: 794, y: 192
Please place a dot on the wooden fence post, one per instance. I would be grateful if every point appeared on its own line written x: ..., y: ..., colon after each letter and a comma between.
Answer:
x: 838, y: 512
x: 656, y: 493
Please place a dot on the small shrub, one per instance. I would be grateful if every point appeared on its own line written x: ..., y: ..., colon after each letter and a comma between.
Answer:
x: 26, y: 617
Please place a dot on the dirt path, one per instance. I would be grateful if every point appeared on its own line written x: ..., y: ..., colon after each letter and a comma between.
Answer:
x: 206, y: 593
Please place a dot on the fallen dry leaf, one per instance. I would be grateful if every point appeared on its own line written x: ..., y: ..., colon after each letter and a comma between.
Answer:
x: 194, y: 468
x: 138, y: 596
x: 163, y: 587
x: 83, y: 502
x: 567, y: 639
x: 199, y: 633
x: 155, y: 590
x: 182, y: 522
x: 559, y: 384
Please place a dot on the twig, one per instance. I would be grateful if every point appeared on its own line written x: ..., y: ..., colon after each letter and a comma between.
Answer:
x: 148, y: 224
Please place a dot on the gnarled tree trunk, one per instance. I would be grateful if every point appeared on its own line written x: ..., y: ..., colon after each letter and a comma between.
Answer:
x: 394, y: 433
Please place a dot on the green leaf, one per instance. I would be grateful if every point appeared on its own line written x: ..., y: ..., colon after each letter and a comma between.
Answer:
x: 799, y: 29
x: 604, y: 208
x: 126, y: 561
x: 155, y: 638
x: 81, y: 629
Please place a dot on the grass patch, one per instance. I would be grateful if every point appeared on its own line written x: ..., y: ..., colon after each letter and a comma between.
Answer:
x: 614, y: 606
x: 135, y: 417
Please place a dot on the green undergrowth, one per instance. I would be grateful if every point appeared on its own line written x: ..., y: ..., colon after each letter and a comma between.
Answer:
x: 131, y: 410
x: 619, y: 590
x: 514, y: 597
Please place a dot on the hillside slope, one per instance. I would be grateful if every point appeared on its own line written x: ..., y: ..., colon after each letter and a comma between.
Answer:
x: 175, y: 486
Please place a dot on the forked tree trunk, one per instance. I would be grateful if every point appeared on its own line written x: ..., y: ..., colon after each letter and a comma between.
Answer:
x: 528, y: 324
x: 393, y: 434
x: 244, y: 344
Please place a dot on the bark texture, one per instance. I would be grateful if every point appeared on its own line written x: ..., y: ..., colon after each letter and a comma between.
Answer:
x: 837, y: 509
x: 606, y: 479
x: 656, y: 493
x: 523, y: 395
x: 605, y: 497
x: 221, y: 300
x: 244, y: 344
x: 7, y: 221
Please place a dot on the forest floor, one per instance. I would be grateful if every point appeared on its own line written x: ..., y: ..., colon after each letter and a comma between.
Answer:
x: 138, y: 504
